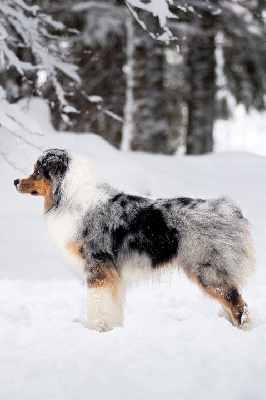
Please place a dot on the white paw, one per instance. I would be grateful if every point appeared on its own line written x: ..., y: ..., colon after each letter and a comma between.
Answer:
x: 246, y: 326
x: 99, y: 325
x: 245, y: 321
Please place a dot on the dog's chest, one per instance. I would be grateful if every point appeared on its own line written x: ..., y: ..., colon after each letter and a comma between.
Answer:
x: 62, y: 228
x: 63, y: 231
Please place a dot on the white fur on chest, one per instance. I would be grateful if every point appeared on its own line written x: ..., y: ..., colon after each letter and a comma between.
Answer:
x: 76, y: 265
x: 63, y: 229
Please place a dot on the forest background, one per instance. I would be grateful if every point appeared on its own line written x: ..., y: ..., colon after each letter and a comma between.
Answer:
x: 150, y: 75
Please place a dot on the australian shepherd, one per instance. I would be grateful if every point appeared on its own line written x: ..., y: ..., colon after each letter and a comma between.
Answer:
x: 107, y: 236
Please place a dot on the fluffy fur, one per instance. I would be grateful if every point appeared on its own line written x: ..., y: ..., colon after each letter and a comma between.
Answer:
x: 107, y: 236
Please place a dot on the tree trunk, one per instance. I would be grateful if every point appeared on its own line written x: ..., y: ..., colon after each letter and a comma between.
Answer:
x: 201, y: 63
x: 146, y: 126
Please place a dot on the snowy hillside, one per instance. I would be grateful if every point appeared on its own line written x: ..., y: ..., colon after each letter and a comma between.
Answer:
x: 175, y: 342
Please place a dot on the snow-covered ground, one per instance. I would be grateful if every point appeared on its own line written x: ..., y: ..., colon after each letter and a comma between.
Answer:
x: 175, y: 343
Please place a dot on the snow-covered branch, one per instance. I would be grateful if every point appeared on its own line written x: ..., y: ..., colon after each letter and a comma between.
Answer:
x: 171, y: 13
x: 14, y: 121
x: 22, y: 25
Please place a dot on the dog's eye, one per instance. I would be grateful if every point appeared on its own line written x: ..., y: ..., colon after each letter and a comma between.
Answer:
x: 38, y: 172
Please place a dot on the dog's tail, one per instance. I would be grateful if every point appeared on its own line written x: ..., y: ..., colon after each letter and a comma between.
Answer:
x: 217, y: 243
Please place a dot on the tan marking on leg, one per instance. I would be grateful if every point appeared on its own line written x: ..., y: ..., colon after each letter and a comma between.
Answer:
x: 105, y: 275
x: 105, y: 298
x: 237, y: 309
x: 75, y: 248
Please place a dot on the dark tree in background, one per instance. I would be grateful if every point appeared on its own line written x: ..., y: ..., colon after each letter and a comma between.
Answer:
x: 147, y: 123
x: 201, y: 75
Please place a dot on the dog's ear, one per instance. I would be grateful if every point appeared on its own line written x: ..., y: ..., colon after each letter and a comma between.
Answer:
x: 54, y: 163
x: 54, y: 166
x: 50, y: 166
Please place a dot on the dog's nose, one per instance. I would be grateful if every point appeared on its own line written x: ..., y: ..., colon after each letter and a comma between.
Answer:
x: 16, y: 182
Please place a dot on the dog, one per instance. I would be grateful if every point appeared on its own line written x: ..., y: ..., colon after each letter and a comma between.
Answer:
x: 107, y: 236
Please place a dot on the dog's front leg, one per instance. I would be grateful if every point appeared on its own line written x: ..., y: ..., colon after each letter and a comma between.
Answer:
x: 105, y: 302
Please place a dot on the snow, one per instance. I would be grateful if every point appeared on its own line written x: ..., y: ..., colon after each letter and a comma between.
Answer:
x: 242, y: 132
x: 95, y: 99
x: 175, y: 343
x: 158, y: 8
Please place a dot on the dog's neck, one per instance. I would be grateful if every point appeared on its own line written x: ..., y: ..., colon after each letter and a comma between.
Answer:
x: 79, y: 189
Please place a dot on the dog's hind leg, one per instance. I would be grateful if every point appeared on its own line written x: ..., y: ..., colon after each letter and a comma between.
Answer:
x: 105, y: 297
x: 232, y: 302
x: 216, y: 284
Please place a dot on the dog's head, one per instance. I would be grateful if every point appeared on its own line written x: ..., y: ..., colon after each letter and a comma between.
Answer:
x: 47, y: 176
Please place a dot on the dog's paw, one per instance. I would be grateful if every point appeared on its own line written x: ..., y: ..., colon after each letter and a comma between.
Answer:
x: 99, y: 325
x: 245, y: 324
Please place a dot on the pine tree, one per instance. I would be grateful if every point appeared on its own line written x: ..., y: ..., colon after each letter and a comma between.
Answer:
x: 146, y: 126
x: 25, y: 29
x: 30, y: 43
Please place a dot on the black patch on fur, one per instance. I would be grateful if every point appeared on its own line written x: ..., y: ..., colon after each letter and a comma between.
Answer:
x: 185, y: 201
x: 119, y: 235
x: 85, y: 232
x: 131, y: 197
x: 181, y: 201
x: 57, y: 197
x: 188, y: 202
x: 125, y: 198
x: 116, y: 197
x: 34, y: 192
x: 102, y: 256
x: 125, y: 216
x: 196, y: 202
x: 232, y: 296
x: 167, y: 205
x: 239, y: 214
x: 204, y: 265
x: 147, y: 232
x: 105, y: 229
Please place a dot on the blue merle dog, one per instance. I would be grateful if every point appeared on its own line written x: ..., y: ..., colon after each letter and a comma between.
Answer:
x: 109, y: 238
